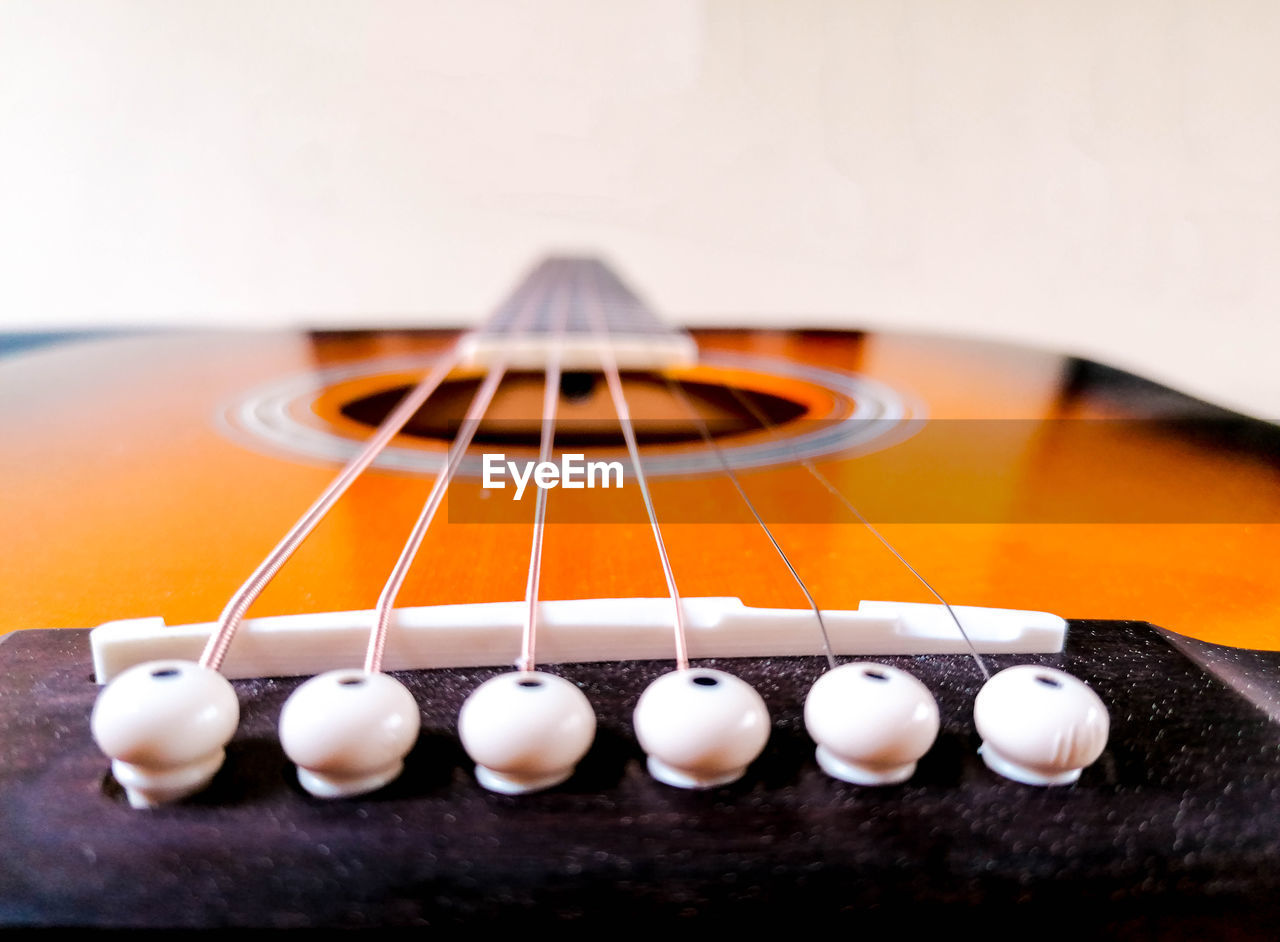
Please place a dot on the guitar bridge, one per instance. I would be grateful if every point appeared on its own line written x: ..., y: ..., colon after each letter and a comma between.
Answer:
x: 577, y: 630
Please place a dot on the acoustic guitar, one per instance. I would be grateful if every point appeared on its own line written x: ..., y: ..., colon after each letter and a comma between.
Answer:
x: 756, y: 507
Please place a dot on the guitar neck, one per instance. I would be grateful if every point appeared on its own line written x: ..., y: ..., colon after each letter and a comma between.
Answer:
x: 572, y: 308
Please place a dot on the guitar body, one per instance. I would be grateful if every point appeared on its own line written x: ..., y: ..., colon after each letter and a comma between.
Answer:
x: 148, y: 474
x: 1010, y: 478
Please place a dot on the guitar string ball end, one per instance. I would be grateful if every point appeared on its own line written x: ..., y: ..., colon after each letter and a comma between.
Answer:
x: 348, y: 731
x: 526, y: 731
x: 1039, y: 726
x: 871, y: 722
x: 165, y: 726
x: 700, y: 728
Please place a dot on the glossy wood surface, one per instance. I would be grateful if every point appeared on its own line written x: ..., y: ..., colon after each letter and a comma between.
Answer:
x: 125, y: 496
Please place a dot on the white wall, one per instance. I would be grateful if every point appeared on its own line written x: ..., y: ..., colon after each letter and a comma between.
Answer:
x: 1097, y: 176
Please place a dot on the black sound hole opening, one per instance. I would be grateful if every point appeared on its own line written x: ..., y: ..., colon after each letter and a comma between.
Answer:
x: 578, y: 386
x: 165, y: 672
x: 875, y: 675
x: 529, y: 683
x: 586, y: 417
x: 706, y: 681
x: 1048, y: 681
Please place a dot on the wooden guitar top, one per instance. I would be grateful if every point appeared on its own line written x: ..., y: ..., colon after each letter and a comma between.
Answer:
x: 1014, y: 479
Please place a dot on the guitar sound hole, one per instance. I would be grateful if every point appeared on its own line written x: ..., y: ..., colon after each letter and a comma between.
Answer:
x: 1048, y: 681
x: 163, y: 673
x: 577, y: 387
x: 587, y: 419
x: 351, y: 681
x: 706, y: 681
x: 529, y: 683
x: 875, y: 675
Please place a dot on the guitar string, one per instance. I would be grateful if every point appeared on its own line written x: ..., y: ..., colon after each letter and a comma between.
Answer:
x: 550, y: 400
x: 822, y: 479
x: 677, y: 391
x: 609, y: 366
x: 215, y: 650
x: 466, y: 432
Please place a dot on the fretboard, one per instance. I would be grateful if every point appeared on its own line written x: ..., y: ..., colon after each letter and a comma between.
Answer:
x: 575, y: 307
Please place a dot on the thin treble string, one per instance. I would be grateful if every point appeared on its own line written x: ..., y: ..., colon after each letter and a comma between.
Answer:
x: 550, y: 399
x: 678, y: 392
x: 466, y: 432
x: 825, y: 482
x: 609, y: 364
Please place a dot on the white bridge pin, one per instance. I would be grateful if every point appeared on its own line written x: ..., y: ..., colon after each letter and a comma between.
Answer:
x: 526, y: 731
x: 871, y: 722
x: 348, y: 731
x: 1039, y: 726
x: 165, y: 725
x: 700, y: 728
